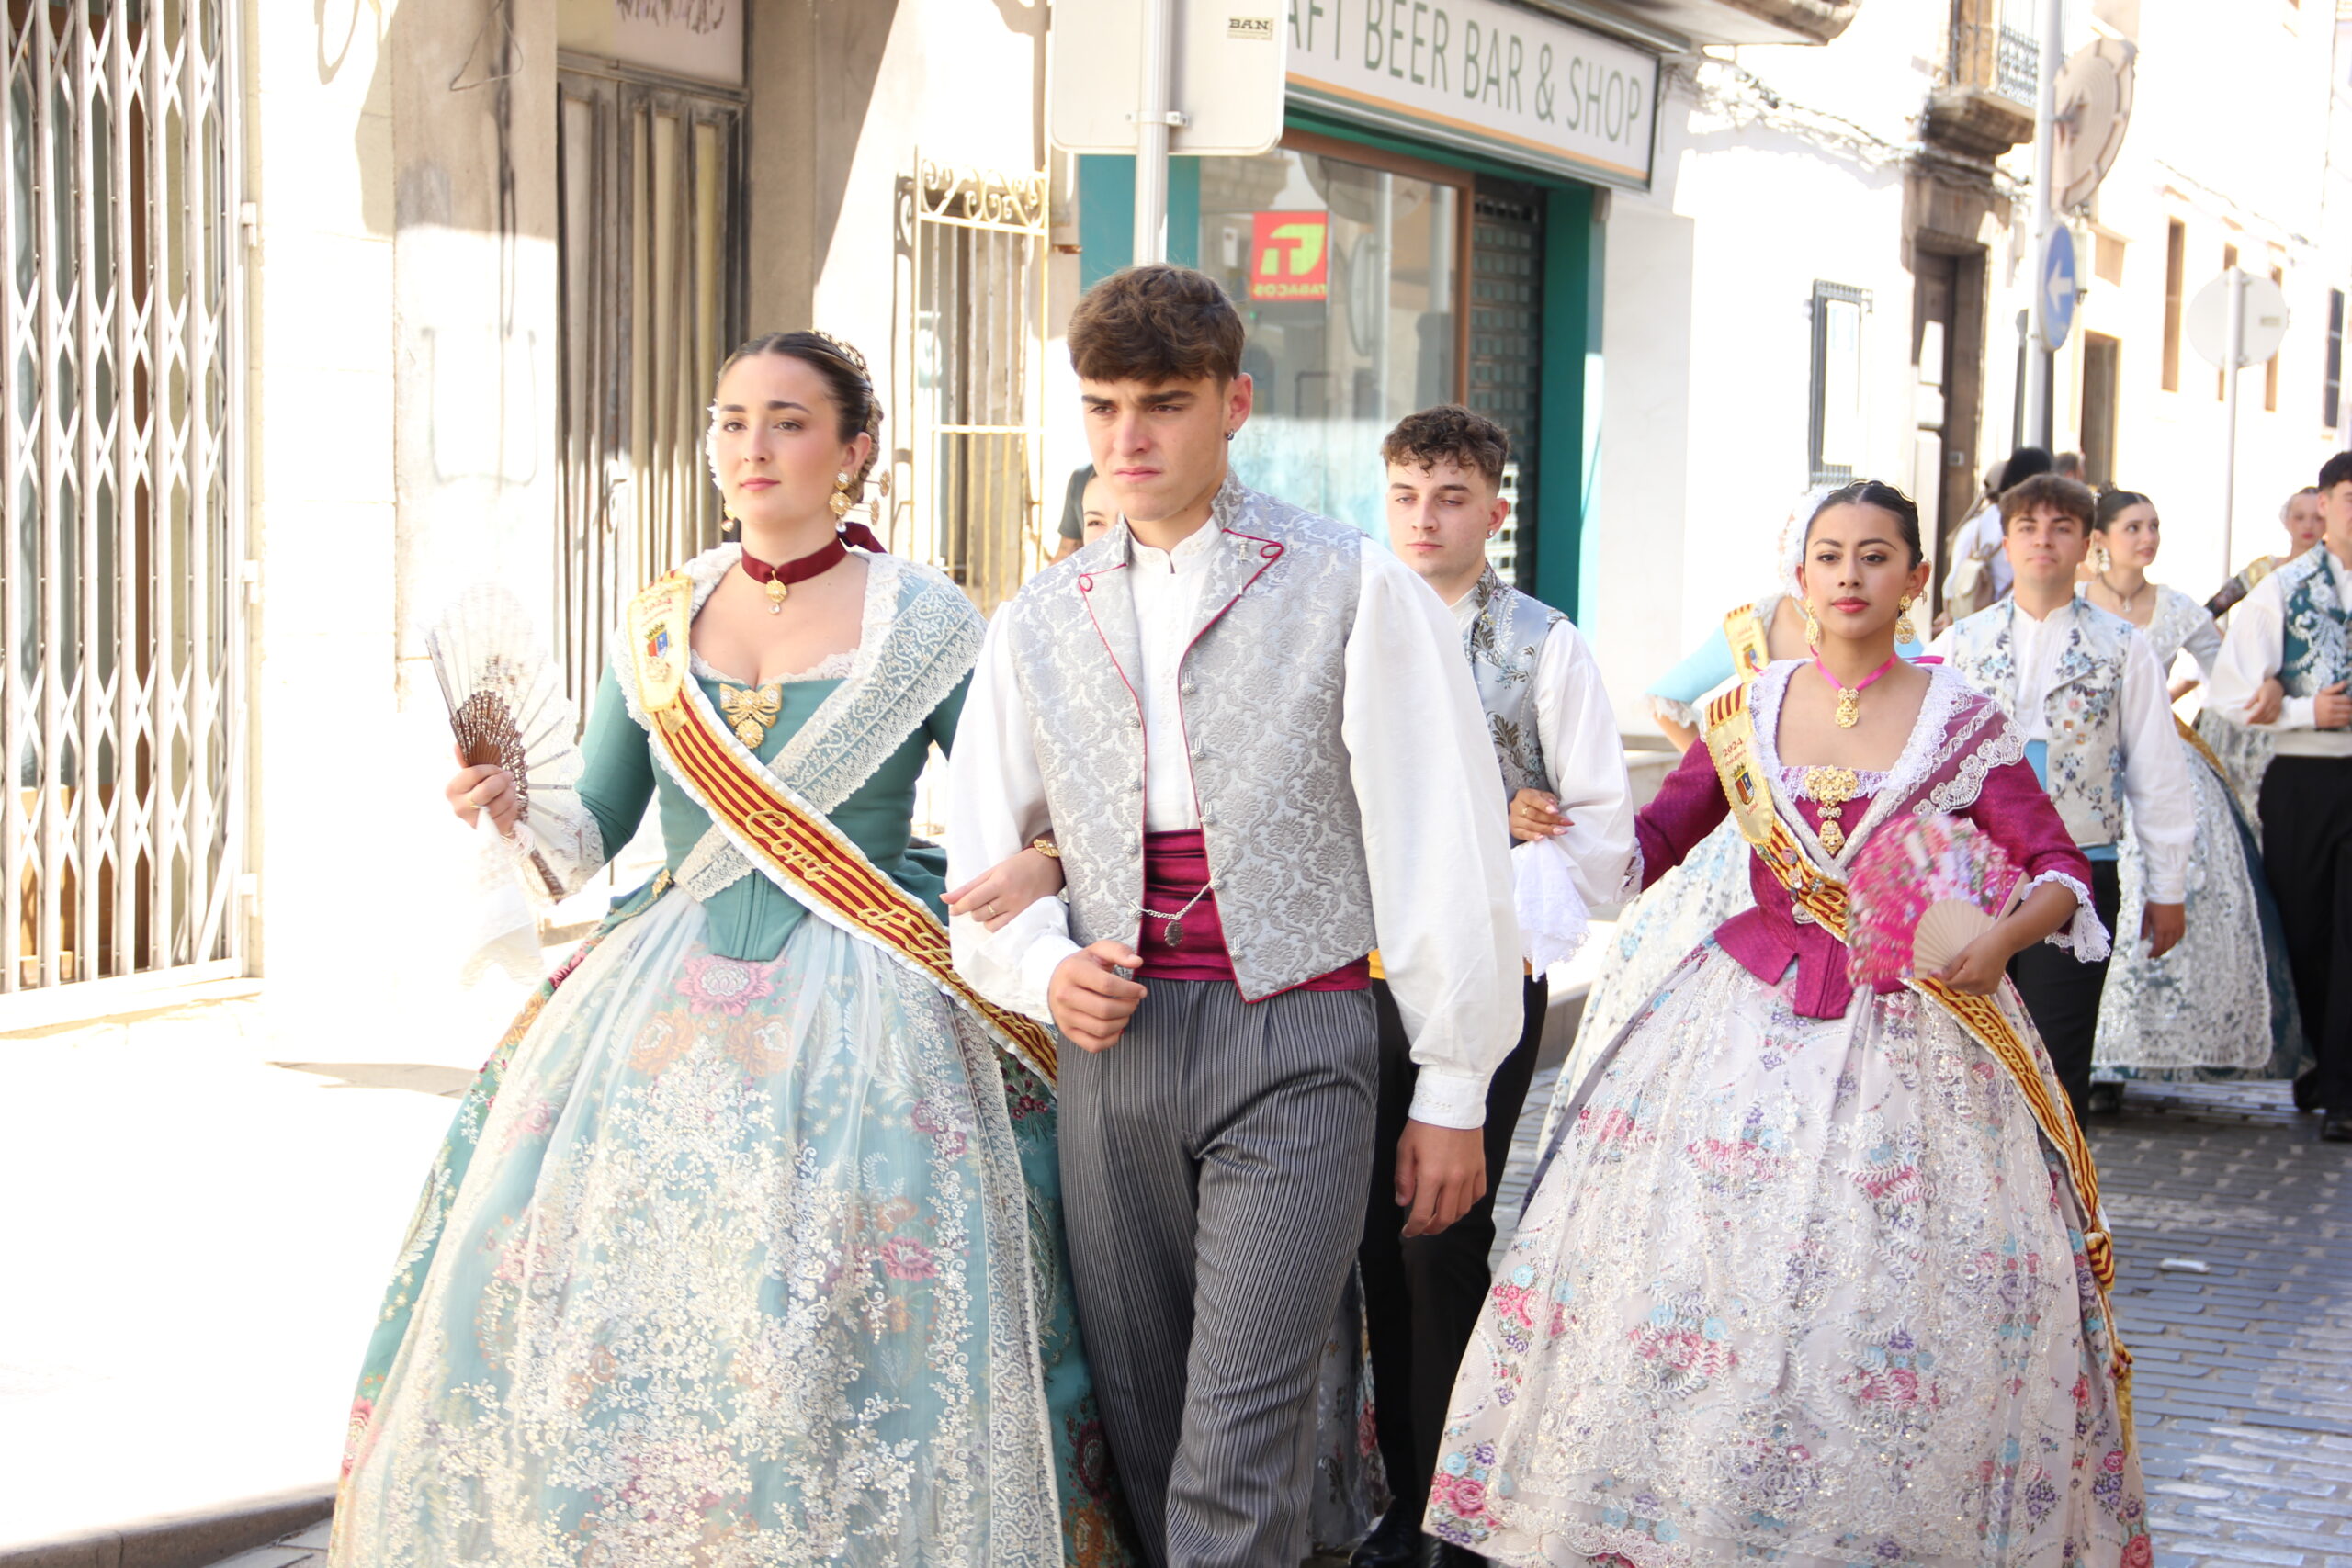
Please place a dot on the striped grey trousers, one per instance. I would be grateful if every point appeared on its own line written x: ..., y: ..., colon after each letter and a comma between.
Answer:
x: 1214, y: 1165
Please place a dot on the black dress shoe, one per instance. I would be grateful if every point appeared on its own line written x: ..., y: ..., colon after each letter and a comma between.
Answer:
x: 2307, y: 1090
x: 1436, y: 1553
x: 1395, y: 1542
x: 2336, y: 1127
x: 2106, y: 1098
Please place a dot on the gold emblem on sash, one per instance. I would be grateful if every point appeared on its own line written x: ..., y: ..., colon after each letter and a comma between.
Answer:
x: 1750, y: 650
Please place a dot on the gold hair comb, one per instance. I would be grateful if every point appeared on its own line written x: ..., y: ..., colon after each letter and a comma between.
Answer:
x: 844, y: 350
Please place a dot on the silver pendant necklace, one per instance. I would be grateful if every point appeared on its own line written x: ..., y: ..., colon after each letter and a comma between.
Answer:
x: 1176, y: 920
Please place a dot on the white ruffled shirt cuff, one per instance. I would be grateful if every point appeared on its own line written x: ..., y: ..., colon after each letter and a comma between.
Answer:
x: 1553, y: 920
x: 2085, y: 936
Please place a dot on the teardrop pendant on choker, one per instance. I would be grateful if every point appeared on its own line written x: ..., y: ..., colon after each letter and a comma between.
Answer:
x: 778, y: 580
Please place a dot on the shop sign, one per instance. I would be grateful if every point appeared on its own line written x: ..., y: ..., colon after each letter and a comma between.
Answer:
x: 1482, y: 75
x: 1290, y: 256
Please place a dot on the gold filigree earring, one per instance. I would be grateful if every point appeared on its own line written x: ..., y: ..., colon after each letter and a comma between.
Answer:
x: 1812, y: 627
x: 1903, y: 631
x: 841, y: 503
x: 727, y: 519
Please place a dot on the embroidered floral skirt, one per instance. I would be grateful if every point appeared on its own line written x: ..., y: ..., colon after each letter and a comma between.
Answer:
x: 1659, y: 929
x: 2221, y: 1003
x: 1798, y: 1291
x: 730, y: 1263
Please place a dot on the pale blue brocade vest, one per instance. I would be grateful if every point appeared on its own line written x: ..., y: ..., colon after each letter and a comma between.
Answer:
x: 1504, y: 642
x: 2083, y: 708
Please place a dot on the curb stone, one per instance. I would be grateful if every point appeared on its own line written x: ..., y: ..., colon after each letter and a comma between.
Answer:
x: 179, y: 1540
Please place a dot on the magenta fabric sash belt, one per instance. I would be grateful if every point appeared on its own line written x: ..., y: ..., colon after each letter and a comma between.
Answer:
x: 1176, y: 866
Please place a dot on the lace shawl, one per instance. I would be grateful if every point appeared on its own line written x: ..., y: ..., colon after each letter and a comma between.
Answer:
x: 1959, y: 736
x: 919, y: 635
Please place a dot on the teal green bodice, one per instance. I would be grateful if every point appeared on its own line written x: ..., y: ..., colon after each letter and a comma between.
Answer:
x: 752, y: 918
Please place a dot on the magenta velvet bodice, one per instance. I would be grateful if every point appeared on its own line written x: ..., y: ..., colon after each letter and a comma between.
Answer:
x: 1978, y: 772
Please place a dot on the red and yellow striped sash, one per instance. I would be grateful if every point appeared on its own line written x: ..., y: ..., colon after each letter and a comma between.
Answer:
x: 810, y: 856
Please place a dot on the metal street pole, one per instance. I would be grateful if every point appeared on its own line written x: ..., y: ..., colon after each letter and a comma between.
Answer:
x: 2232, y: 355
x: 1152, y: 121
x: 2038, y: 424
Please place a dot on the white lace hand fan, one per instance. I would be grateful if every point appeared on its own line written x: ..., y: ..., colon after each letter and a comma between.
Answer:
x: 507, y: 708
x: 1922, y: 890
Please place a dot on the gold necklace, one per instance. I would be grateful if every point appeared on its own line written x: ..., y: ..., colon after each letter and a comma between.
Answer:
x: 1832, y: 788
x: 750, y: 709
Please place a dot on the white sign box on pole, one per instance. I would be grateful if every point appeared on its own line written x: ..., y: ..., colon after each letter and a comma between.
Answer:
x: 1483, y: 76
x: 1227, y: 81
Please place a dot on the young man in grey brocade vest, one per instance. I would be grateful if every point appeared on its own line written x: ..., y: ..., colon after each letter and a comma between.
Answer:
x: 1253, y: 735
x: 1554, y: 741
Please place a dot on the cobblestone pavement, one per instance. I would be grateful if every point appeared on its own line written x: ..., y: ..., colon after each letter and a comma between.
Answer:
x: 2233, y: 1234
x: 2233, y: 1290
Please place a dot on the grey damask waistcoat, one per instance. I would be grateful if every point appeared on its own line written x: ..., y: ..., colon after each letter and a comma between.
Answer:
x: 1504, y: 641
x: 1260, y: 688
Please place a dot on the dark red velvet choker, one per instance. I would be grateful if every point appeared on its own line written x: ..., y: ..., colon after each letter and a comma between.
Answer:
x: 780, y: 578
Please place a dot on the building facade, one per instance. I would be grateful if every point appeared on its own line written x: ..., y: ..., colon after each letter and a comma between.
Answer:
x: 320, y: 314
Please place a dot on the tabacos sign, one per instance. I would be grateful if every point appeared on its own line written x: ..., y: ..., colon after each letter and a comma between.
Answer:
x: 1483, y: 75
x: 1290, y: 256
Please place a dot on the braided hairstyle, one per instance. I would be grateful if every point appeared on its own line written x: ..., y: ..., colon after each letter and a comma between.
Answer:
x: 2114, y: 504
x: 1887, y: 499
x: 846, y: 380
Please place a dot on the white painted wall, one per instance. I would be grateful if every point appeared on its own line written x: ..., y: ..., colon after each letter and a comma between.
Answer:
x: 2229, y: 135
x: 402, y: 433
x: 1778, y: 165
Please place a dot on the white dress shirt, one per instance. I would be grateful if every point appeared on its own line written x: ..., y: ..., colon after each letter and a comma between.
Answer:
x: 2252, y: 653
x: 1577, y: 728
x: 2155, y: 782
x: 1435, y: 835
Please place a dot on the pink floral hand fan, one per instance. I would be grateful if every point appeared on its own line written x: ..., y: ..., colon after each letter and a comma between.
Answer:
x: 1921, y: 890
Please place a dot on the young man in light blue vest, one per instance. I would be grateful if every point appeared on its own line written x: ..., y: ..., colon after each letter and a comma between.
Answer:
x: 2084, y: 690
x: 1562, y: 767
x: 2292, y: 629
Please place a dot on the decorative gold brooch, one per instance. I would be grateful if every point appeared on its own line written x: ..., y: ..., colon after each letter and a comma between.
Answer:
x: 1832, y: 788
x: 749, y: 710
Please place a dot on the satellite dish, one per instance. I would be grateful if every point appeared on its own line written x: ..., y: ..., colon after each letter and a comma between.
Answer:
x: 2093, y: 108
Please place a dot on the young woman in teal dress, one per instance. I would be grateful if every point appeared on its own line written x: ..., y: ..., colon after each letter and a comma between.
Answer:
x: 745, y: 1247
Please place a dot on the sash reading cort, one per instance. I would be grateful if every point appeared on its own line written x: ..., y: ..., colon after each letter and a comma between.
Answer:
x: 1731, y: 741
x: 798, y: 847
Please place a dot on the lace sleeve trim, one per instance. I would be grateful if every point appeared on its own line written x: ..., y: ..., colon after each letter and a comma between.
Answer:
x: 2085, y: 936
x: 560, y: 839
x: 918, y: 637
x: 1682, y: 715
